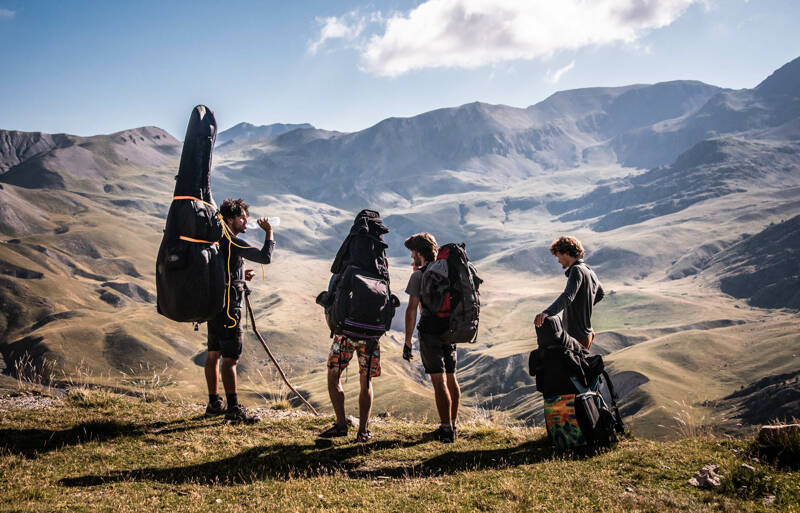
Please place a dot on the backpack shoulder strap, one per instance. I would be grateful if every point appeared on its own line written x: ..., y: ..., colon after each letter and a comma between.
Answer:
x: 620, y: 426
x: 614, y: 396
x: 580, y: 387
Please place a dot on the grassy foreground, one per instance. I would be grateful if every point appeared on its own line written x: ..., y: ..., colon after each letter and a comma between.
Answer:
x: 95, y: 451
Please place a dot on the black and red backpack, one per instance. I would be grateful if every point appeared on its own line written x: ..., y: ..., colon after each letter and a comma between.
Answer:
x: 450, y: 290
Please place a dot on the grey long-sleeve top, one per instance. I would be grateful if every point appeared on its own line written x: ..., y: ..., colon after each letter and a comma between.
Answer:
x: 582, y: 292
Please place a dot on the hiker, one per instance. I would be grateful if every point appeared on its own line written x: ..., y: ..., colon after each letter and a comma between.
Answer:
x: 438, y: 358
x: 582, y: 292
x: 225, y: 329
x: 358, y: 309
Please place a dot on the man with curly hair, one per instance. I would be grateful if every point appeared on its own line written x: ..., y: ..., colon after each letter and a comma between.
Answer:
x: 225, y: 330
x: 582, y: 292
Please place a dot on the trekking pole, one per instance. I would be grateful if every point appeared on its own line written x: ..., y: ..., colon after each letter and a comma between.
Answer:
x: 269, y: 353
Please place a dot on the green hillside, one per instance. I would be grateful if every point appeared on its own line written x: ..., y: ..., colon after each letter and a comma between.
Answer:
x: 96, y: 451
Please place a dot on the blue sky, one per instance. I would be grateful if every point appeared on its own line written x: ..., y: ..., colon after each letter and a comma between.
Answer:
x: 101, y: 66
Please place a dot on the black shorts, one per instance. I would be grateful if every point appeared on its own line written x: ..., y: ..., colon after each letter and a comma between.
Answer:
x: 221, y: 337
x: 437, y: 357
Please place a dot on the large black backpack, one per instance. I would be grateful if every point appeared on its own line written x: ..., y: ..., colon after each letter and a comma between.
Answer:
x: 599, y: 423
x: 190, y: 271
x: 558, y: 360
x: 457, y: 297
x: 359, y: 303
x: 561, y: 368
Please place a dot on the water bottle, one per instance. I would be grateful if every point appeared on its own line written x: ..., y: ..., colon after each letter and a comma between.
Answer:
x: 273, y: 221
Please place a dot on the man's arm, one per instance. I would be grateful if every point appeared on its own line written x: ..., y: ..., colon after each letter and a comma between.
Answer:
x: 260, y: 256
x: 411, y: 317
x: 566, y: 297
x: 564, y: 300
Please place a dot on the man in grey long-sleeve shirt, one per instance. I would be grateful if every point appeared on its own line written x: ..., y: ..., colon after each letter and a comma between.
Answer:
x: 582, y: 292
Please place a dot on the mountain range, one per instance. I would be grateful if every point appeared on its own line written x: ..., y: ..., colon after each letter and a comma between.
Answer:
x: 686, y: 195
x: 245, y: 131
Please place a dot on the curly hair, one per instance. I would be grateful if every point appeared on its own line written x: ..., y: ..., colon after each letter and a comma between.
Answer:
x: 231, y: 208
x: 423, y: 243
x: 569, y: 245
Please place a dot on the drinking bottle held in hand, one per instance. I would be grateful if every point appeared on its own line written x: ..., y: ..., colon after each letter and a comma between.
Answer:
x: 274, y: 221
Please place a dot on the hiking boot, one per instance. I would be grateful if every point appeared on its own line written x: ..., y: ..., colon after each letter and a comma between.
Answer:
x: 238, y: 415
x: 364, y: 436
x: 334, y: 432
x: 444, y: 435
x: 215, y: 408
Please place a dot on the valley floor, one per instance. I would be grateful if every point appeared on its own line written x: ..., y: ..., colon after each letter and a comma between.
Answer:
x: 96, y: 451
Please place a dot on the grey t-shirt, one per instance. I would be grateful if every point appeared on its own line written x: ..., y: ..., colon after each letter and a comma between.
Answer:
x: 414, y: 283
x: 428, y: 322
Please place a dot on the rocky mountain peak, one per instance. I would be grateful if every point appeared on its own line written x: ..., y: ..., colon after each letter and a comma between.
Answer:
x: 150, y: 134
x: 783, y: 81
x: 16, y: 146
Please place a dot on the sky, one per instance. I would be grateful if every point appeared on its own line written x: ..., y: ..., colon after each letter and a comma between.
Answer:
x: 97, y: 67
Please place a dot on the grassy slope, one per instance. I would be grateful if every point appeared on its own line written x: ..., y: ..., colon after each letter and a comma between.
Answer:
x: 686, y: 369
x: 97, y: 451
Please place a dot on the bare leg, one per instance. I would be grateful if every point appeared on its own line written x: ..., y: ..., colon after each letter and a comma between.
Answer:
x: 443, y: 402
x: 212, y: 371
x: 455, y: 396
x: 229, y: 374
x: 336, y: 393
x: 364, y: 403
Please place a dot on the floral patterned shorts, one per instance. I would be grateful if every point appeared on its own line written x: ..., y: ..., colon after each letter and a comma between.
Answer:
x: 342, y: 351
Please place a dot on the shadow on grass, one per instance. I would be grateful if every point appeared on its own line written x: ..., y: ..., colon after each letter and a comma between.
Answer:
x: 32, y: 442
x: 284, y: 461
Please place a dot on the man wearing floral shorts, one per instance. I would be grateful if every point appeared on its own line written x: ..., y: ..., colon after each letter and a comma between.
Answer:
x: 369, y: 357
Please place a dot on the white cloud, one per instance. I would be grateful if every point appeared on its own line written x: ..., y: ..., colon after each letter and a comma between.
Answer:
x: 474, y: 33
x: 347, y: 27
x: 7, y: 13
x: 555, y: 77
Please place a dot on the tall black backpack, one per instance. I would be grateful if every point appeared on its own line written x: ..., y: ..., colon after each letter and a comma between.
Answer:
x: 190, y: 270
x: 456, y: 297
x: 359, y: 303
